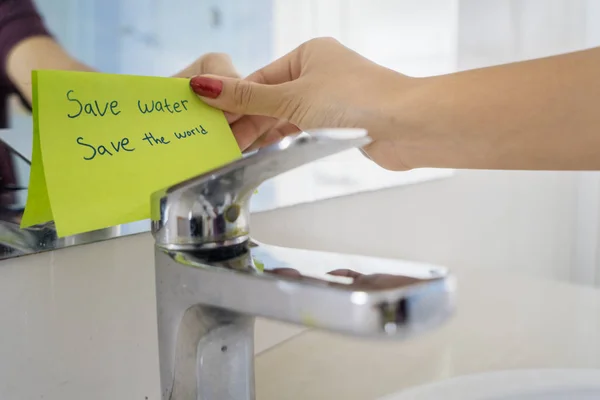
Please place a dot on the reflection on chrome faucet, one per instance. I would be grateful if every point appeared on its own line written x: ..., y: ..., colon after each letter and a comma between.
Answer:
x: 357, y: 280
x: 14, y: 241
x: 212, y: 278
x: 207, y: 301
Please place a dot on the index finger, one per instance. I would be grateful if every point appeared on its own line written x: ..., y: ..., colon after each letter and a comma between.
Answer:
x: 210, y: 63
x: 284, y: 69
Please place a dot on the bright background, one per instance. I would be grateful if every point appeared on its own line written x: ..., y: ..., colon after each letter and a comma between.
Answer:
x: 545, y: 223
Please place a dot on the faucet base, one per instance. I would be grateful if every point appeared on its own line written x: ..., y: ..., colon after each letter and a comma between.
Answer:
x: 206, y: 352
x: 225, y: 359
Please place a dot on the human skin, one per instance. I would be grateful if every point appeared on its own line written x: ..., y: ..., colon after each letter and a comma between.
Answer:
x: 541, y: 114
x: 43, y: 52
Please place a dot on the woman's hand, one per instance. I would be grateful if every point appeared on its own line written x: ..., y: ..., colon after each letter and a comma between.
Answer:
x: 532, y: 115
x: 211, y: 63
x: 321, y: 84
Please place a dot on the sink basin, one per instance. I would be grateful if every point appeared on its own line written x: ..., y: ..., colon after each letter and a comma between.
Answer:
x: 543, y: 384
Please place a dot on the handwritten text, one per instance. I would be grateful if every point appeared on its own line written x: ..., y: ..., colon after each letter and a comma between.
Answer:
x: 192, y: 132
x: 103, y: 150
x: 124, y: 144
x: 94, y: 108
x: 161, y: 106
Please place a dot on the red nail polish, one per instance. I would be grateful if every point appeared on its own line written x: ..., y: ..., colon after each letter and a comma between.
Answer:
x: 206, y: 87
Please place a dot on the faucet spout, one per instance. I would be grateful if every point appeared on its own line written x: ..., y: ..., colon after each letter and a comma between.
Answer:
x: 207, y: 305
x: 213, y: 279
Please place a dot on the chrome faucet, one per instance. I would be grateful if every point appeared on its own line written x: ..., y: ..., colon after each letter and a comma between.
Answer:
x: 16, y: 241
x: 213, y: 279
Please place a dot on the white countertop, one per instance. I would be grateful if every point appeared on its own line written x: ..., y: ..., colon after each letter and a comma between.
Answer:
x: 80, y: 323
x: 503, y: 322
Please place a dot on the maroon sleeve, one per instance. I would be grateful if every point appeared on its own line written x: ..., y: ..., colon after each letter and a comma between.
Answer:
x: 19, y: 20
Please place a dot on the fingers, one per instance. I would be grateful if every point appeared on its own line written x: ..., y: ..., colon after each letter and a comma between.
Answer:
x: 241, y: 96
x: 253, y: 105
x: 385, y: 153
x: 273, y: 136
x: 265, y: 92
x: 284, y: 69
x: 280, y: 71
x: 250, y: 128
x: 253, y: 132
x: 210, y: 63
x: 291, y: 66
x: 278, y: 132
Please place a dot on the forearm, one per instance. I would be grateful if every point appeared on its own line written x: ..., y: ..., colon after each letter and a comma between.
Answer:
x: 38, y: 52
x: 26, y: 44
x: 535, y: 115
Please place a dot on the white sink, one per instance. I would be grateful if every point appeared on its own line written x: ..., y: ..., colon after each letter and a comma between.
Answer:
x: 550, y: 384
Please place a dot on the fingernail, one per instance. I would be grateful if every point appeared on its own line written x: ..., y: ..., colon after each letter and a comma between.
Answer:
x: 206, y: 87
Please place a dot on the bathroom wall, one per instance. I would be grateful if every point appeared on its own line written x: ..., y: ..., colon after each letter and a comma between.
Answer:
x: 417, y: 38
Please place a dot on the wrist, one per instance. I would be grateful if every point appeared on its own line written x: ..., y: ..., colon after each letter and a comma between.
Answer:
x: 408, y: 124
x: 38, y: 52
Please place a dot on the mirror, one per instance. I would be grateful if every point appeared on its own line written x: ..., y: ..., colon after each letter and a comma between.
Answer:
x: 130, y: 37
x: 16, y: 242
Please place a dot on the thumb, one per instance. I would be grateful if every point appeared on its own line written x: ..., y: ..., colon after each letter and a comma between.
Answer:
x: 238, y: 96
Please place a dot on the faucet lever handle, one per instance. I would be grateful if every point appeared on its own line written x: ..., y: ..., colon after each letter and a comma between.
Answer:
x: 212, y: 210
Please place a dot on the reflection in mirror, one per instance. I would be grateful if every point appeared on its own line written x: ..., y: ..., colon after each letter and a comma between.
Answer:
x: 15, y: 241
x: 116, y: 37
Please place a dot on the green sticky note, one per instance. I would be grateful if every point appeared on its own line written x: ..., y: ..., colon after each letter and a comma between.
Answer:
x: 37, y: 208
x: 104, y: 142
